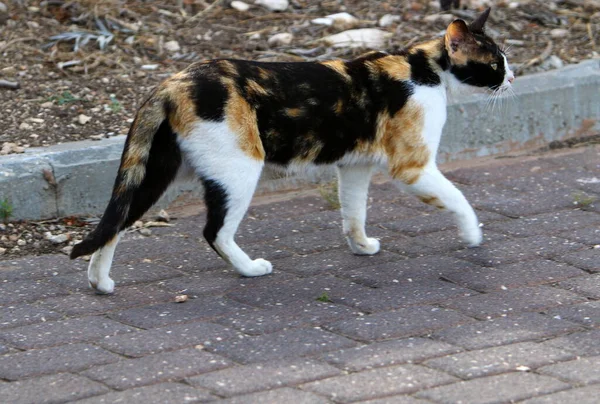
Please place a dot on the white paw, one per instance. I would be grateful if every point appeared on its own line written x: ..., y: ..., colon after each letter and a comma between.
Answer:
x: 473, y: 236
x: 258, y: 267
x: 103, y: 287
x: 369, y: 247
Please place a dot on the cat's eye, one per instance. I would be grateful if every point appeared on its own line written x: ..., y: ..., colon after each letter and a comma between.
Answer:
x: 494, y: 66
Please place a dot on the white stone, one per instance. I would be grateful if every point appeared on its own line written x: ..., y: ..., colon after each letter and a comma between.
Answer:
x: 281, y: 39
x: 59, y: 238
x: 25, y: 126
x: 240, y: 5
x: 358, y: 38
x: 21, y: 242
x: 36, y: 120
x: 553, y: 62
x: 340, y: 20
x: 273, y: 5
x: 172, y: 46
x: 389, y: 19
x: 446, y: 18
x: 3, y: 8
x: 82, y: 119
x: 149, y: 67
x: 47, y: 104
x: 559, y: 33
x: 2, y: 251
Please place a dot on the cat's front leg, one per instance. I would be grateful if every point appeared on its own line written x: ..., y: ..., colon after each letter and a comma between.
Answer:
x: 353, y: 188
x: 433, y: 188
x: 99, y: 268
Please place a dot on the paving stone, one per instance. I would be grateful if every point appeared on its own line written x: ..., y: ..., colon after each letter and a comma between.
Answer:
x: 585, y: 285
x: 219, y: 282
x: 12, y: 292
x: 64, y: 358
x: 406, y: 271
x: 588, y: 260
x: 284, y: 395
x: 503, y: 359
x: 449, y: 240
x: 397, y: 296
x: 145, y: 342
x: 24, y: 314
x: 505, y: 330
x: 308, y: 243
x: 581, y: 343
x: 496, y: 171
x: 159, y: 393
x: 513, y: 203
x: 57, y: 388
x: 583, y: 395
x: 252, y: 230
x: 294, y: 315
x: 588, y: 235
x: 501, y: 303
x: 122, y: 274
x: 285, y: 344
x: 300, y: 206
x: 396, y: 400
x: 91, y: 303
x: 293, y: 291
x: 433, y: 222
x: 379, y: 383
x: 166, y: 366
x: 528, y: 273
x: 390, y: 211
x: 264, y: 376
x: 331, y: 261
x: 388, y: 353
x: 523, y: 249
x: 73, y: 330
x: 580, y: 371
x: 159, y: 315
x: 406, y: 322
x: 494, y: 389
x: 408, y: 247
x: 3, y: 349
x: 38, y: 267
x: 546, y: 223
x: 587, y: 313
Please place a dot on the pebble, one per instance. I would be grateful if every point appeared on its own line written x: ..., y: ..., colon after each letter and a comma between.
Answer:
x: 172, y: 46
x: 339, y: 20
x: 553, y: 62
x: 59, y: 238
x: 145, y: 232
x: 67, y: 250
x: 358, y: 38
x: 25, y: 126
x: 273, y: 5
x: 2, y: 251
x: 21, y: 242
x: 47, y: 104
x: 163, y: 216
x: 281, y: 39
x: 389, y: 19
x: 559, y: 33
x: 36, y: 120
x: 96, y: 137
x: 3, y: 8
x: 446, y: 18
x: 83, y: 119
x: 240, y: 5
x: 8, y: 148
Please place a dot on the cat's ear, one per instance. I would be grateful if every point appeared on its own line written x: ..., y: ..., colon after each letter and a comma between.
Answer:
x: 478, y: 24
x: 457, y: 35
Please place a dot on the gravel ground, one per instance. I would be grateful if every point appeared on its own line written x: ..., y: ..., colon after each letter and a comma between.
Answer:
x: 67, y: 94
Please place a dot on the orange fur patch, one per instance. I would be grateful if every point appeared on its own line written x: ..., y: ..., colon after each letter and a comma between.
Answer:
x: 403, y: 142
x: 432, y: 200
x: 228, y: 68
x: 294, y: 112
x: 256, y: 89
x: 241, y: 119
x: 394, y: 66
x: 338, y: 107
x: 339, y: 66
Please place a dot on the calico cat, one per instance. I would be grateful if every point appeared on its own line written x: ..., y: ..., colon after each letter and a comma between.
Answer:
x: 224, y: 119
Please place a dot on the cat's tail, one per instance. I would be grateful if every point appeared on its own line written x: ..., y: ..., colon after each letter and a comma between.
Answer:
x: 149, y: 163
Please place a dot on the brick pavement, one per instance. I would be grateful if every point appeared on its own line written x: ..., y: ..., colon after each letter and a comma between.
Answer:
x: 424, y: 321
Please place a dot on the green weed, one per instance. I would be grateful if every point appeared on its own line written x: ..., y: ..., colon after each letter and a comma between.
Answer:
x: 324, y: 298
x: 6, y: 210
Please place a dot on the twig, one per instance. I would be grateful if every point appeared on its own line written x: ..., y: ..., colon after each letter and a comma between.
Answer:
x: 14, y: 41
x: 13, y: 85
x: 539, y: 59
x: 202, y: 13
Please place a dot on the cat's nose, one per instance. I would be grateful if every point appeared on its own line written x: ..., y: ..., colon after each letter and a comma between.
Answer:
x: 511, y: 79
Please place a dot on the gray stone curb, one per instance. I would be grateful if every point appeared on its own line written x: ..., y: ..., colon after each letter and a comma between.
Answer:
x: 76, y: 178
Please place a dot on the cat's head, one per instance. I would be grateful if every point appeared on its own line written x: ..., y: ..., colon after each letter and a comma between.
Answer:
x: 475, y: 59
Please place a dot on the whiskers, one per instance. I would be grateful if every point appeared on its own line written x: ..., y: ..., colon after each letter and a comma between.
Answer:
x: 497, y: 98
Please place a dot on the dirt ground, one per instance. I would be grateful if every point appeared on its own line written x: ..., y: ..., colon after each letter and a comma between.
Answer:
x: 71, y: 94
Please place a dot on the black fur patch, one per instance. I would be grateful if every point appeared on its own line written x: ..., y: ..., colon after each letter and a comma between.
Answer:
x: 480, y: 74
x: 161, y: 169
x: 421, y: 71
x: 216, y: 200
x: 209, y: 95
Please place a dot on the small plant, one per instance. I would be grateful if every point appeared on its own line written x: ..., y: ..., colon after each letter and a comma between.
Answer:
x: 115, y: 106
x: 583, y: 200
x: 65, y: 98
x: 6, y: 210
x: 329, y: 192
x: 324, y: 298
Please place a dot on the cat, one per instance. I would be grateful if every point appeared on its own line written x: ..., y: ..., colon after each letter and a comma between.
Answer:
x: 224, y: 119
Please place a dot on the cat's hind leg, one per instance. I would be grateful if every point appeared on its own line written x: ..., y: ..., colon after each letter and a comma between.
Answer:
x: 433, y: 188
x: 353, y: 188
x: 229, y: 175
x: 99, y: 267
